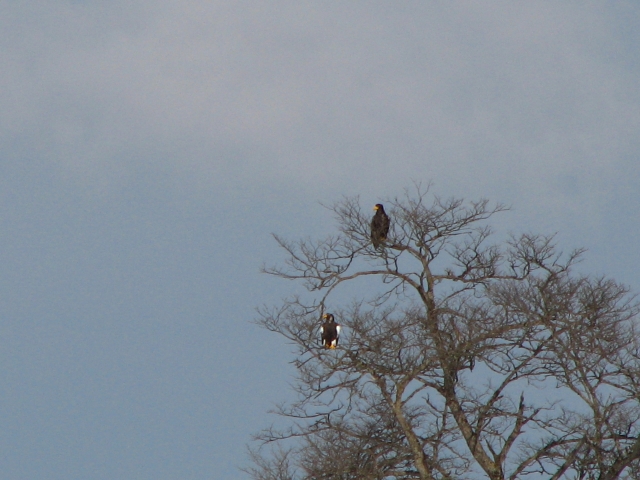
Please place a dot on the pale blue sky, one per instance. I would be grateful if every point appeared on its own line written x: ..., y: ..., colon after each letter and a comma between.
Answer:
x: 147, y: 150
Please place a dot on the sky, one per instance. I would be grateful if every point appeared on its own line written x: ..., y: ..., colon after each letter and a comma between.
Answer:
x: 148, y: 149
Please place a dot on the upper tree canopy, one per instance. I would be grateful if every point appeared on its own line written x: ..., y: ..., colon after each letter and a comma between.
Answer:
x: 460, y: 358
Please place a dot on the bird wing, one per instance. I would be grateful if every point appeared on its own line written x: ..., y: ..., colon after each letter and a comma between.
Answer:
x: 385, y: 224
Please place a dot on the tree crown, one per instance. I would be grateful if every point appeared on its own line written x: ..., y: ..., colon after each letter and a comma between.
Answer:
x: 463, y: 358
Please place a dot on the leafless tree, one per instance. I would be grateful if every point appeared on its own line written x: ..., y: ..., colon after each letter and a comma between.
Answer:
x: 461, y: 358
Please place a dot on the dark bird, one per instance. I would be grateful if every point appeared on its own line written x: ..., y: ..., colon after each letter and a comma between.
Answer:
x: 330, y: 331
x: 379, y: 226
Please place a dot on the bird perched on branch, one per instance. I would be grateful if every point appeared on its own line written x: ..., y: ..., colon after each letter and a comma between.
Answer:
x: 330, y: 331
x: 379, y: 226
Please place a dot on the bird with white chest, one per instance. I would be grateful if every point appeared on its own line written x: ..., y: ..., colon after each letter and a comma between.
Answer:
x: 330, y: 332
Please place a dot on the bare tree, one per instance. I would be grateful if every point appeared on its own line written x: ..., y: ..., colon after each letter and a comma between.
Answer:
x: 462, y: 358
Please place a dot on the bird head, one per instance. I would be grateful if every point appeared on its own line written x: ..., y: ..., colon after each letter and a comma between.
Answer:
x: 328, y: 316
x: 378, y: 206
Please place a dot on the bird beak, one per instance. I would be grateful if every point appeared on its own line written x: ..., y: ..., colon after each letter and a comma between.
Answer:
x: 324, y: 316
x: 375, y: 208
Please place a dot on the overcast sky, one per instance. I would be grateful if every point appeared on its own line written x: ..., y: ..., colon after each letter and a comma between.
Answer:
x: 148, y: 149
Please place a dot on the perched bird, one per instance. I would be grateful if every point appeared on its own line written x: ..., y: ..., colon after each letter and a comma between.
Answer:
x: 330, y: 331
x: 379, y: 226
